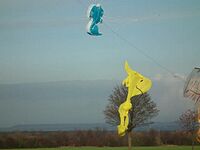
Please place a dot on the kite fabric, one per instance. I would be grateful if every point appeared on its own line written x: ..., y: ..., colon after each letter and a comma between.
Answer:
x: 137, y: 84
x: 192, y: 85
x: 198, y: 132
x: 95, y: 14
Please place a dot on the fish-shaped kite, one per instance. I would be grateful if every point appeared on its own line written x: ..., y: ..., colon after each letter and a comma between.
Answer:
x: 95, y: 14
x: 137, y: 84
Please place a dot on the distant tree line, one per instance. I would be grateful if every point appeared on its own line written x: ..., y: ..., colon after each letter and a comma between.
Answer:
x: 97, y: 137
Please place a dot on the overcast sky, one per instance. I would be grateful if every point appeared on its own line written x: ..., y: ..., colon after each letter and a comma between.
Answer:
x: 46, y: 40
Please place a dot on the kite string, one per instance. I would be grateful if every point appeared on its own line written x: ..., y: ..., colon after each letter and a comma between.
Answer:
x: 143, y: 53
x: 138, y: 49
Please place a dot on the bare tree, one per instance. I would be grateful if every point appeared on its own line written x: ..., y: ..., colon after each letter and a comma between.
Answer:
x: 143, y: 110
x: 189, y: 122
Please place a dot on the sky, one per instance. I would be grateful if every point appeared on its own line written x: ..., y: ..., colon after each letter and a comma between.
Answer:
x: 46, y: 40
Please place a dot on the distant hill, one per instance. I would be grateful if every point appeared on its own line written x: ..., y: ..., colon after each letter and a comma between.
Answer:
x: 168, y: 126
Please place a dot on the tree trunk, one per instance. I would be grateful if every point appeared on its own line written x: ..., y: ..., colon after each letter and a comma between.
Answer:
x: 192, y: 140
x: 129, y: 140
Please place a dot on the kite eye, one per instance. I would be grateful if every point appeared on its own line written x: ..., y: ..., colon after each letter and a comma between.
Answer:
x: 141, y: 80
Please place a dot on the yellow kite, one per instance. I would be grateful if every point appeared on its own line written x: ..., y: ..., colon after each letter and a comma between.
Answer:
x: 136, y: 84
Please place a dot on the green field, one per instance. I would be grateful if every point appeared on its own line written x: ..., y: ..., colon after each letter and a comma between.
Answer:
x: 118, y: 148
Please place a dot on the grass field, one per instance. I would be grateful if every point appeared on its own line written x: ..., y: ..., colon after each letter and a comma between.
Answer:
x: 119, y: 148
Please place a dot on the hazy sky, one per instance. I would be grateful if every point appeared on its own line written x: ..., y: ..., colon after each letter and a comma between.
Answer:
x: 46, y: 40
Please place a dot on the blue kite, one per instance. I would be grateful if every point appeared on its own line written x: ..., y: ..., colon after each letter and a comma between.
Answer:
x: 95, y: 14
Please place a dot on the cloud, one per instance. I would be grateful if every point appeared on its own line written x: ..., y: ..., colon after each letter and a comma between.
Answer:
x: 157, y: 77
x: 153, y: 17
x: 176, y: 77
x: 75, y: 100
x: 167, y: 92
x: 40, y: 23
